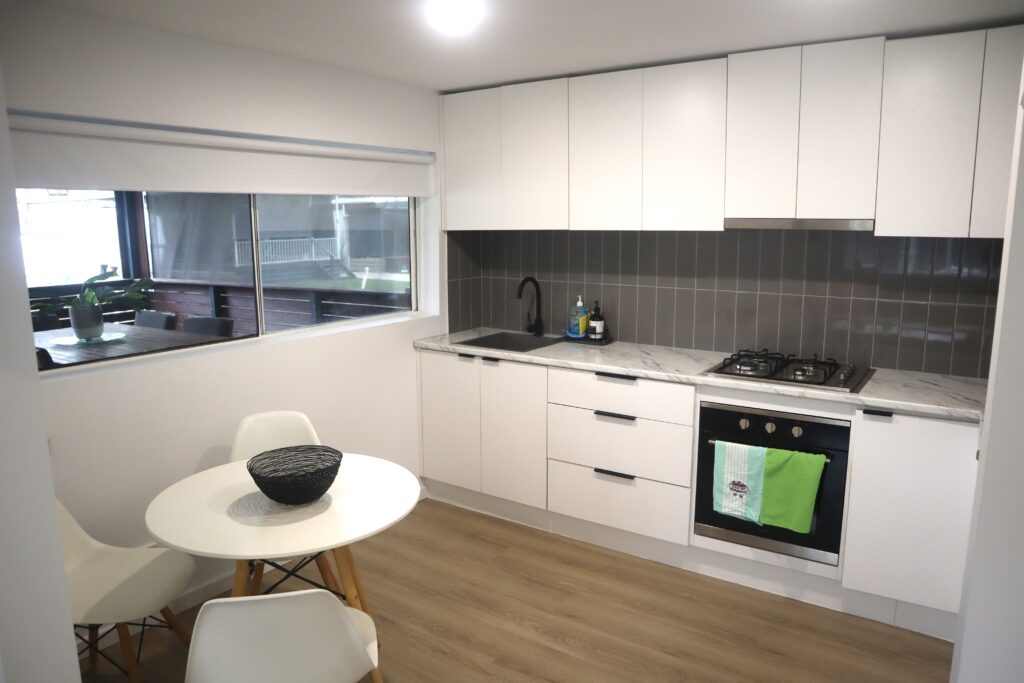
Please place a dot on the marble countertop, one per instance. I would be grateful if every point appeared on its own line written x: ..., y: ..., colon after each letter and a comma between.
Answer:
x: 914, y: 393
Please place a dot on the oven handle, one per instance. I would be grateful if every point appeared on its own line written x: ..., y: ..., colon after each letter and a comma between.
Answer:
x: 712, y: 443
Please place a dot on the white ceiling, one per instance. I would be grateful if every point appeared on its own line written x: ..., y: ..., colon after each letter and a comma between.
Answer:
x: 528, y: 39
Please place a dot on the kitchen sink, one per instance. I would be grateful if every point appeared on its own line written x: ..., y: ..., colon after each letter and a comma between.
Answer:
x: 512, y: 341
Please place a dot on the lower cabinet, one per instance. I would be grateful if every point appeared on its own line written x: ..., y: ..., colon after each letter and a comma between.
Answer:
x: 485, y: 425
x: 630, y: 503
x: 909, y: 513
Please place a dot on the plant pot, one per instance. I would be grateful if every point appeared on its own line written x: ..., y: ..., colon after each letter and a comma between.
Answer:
x: 87, y: 321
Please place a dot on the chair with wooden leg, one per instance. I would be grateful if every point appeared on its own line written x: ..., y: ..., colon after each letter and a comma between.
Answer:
x: 305, y: 636
x: 264, y: 432
x: 116, y: 587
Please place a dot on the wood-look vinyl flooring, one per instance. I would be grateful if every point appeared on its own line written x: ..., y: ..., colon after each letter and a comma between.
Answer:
x: 461, y: 596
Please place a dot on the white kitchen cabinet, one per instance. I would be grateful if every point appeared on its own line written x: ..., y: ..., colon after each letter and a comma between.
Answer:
x: 606, y: 151
x: 763, y: 125
x: 513, y: 429
x: 612, y: 392
x: 535, y: 155
x: 840, y: 104
x: 450, y: 408
x: 1000, y: 98
x: 472, y: 160
x: 684, y: 146
x: 909, y: 512
x: 931, y: 89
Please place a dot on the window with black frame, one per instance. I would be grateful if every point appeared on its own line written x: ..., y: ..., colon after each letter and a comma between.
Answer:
x: 114, y: 274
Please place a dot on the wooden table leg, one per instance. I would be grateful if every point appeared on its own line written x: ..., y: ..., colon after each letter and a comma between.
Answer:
x: 179, y: 630
x: 352, y: 597
x: 241, y: 585
x: 257, y: 578
x: 324, y: 565
x: 127, y: 653
x: 94, y: 649
x: 376, y: 677
x: 350, y: 560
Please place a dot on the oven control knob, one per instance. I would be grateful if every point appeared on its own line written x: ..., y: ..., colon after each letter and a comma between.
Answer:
x: 769, y: 427
x: 744, y: 423
x: 798, y: 431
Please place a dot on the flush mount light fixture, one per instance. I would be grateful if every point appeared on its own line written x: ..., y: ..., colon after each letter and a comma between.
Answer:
x: 454, y: 17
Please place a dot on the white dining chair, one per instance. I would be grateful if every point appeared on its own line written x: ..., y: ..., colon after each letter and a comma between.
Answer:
x: 266, y: 431
x: 119, y: 586
x: 305, y: 636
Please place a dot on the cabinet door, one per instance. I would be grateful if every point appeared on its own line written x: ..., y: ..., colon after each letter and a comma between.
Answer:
x: 840, y: 104
x: 930, y: 93
x: 472, y: 160
x: 606, y: 151
x: 535, y: 155
x: 513, y: 424
x: 909, y: 515
x: 1000, y: 98
x: 450, y: 408
x: 684, y: 146
x: 763, y: 124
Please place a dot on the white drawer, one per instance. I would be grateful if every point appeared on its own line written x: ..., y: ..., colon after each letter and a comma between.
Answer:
x: 651, y: 399
x: 644, y: 448
x: 638, y: 505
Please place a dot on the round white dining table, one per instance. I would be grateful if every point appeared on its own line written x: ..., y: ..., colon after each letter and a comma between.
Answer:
x: 221, y: 513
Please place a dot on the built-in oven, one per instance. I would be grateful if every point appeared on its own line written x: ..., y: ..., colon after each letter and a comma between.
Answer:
x: 772, y: 429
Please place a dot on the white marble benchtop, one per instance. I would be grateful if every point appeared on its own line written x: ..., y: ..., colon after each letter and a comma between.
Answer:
x: 915, y: 393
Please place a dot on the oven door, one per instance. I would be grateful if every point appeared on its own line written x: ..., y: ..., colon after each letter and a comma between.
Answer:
x: 757, y: 427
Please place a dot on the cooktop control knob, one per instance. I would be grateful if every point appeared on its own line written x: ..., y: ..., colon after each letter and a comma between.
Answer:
x: 769, y: 427
x: 797, y: 431
x: 744, y: 423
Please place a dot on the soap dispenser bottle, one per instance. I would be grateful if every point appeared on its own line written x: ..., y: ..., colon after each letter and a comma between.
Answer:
x: 578, y: 316
x: 595, y: 324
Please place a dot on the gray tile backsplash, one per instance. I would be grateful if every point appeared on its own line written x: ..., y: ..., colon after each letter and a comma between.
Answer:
x: 909, y: 303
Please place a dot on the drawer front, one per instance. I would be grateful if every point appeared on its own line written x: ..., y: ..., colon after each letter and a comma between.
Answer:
x: 637, y: 505
x: 644, y: 448
x: 664, y: 401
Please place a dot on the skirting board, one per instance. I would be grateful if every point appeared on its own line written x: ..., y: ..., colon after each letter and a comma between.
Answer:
x: 808, y: 588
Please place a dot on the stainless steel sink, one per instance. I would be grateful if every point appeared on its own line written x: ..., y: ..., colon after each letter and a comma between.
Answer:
x: 512, y: 341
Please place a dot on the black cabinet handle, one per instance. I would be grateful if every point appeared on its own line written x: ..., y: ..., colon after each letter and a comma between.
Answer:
x: 878, y: 413
x: 489, y: 359
x: 610, y: 473
x: 612, y: 375
x: 466, y: 355
x: 617, y: 416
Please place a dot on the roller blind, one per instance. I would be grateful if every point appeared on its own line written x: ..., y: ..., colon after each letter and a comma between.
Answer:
x: 82, y: 153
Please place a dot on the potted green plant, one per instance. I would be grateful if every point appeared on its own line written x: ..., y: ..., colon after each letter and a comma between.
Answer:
x: 86, y: 309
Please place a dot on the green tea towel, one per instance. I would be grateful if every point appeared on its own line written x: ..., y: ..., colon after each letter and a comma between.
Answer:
x: 791, y: 481
x: 739, y: 479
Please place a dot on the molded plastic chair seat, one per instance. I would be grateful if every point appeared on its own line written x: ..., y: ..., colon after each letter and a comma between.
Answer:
x: 208, y: 325
x: 306, y: 636
x: 155, y: 319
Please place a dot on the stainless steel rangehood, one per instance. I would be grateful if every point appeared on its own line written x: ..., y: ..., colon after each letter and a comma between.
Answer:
x: 862, y: 224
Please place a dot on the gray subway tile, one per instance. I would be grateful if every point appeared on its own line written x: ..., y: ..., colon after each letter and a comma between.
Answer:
x: 707, y: 259
x: 577, y: 255
x: 790, y: 323
x: 727, y: 263
x: 987, y: 335
x: 945, y: 270
x: 918, y: 283
x: 499, y: 303
x: 628, y: 303
x: 454, y: 258
x: 746, y: 320
x: 551, y: 325
x: 559, y: 306
x: 913, y: 327
x: 994, y: 268
x: 816, y: 269
x: 725, y: 321
x: 629, y: 257
x: 664, y: 316
x: 610, y: 308
x: 865, y: 266
x: 684, y: 319
x: 885, y: 353
x: 594, y: 251
x: 968, y: 332
x: 862, y: 331
x: 469, y: 295
x: 560, y: 256
x: 454, y: 307
x: 666, y: 275
x: 972, y: 286
x: 794, y: 256
x: 768, y: 321
x: 770, y: 277
x: 686, y: 260
x: 648, y: 261
x: 812, y: 336
x: 515, y: 314
x: 611, y: 247
x: 938, y: 347
x: 704, y: 320
x: 749, y: 260
x: 544, y: 255
x: 646, y: 314
x: 837, y: 328
x: 514, y: 254
x: 842, y: 251
x: 892, y: 267
x: 529, y: 257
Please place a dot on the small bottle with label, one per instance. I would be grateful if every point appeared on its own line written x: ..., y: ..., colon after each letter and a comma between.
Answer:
x: 578, y: 319
x: 595, y: 324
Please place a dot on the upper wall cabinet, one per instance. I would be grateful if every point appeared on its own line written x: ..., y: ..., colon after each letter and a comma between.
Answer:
x: 684, y: 146
x: 840, y: 103
x: 535, y: 155
x: 763, y: 124
x: 1000, y: 97
x: 930, y: 100
x: 606, y: 151
x: 472, y: 160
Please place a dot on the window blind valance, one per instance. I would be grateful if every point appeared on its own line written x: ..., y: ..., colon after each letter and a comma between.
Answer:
x: 84, y: 153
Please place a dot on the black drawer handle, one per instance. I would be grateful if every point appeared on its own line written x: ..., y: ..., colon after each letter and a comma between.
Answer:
x: 612, y: 375
x: 617, y: 416
x: 878, y: 413
x: 466, y: 355
x: 489, y: 359
x: 620, y: 475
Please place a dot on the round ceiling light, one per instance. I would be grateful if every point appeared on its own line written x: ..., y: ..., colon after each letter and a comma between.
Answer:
x: 454, y: 17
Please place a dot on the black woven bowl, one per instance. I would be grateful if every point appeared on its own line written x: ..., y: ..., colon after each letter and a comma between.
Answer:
x: 295, y: 475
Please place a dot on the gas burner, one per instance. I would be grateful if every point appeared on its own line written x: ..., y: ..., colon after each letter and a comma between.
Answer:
x: 770, y: 366
x: 753, y: 367
x: 809, y: 373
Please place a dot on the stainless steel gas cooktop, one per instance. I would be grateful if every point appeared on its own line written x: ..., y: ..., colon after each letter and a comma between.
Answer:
x: 771, y: 366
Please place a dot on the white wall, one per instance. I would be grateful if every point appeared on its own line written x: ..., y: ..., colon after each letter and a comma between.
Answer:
x: 35, y: 620
x: 988, y: 646
x: 124, y: 430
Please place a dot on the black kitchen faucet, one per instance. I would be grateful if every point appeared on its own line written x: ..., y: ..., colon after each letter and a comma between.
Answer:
x: 535, y: 327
